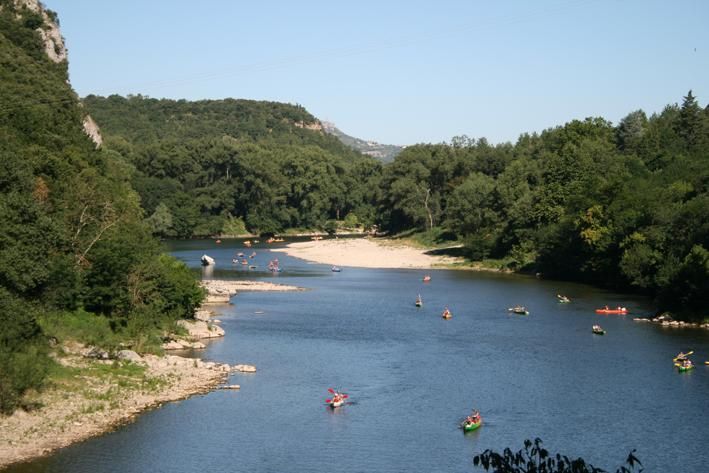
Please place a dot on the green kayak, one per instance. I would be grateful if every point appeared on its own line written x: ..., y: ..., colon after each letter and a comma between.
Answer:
x: 469, y: 427
x: 685, y: 368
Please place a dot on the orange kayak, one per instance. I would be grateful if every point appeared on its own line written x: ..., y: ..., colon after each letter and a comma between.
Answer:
x: 612, y: 311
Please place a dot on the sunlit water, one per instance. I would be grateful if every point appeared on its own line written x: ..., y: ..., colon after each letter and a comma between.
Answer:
x: 412, y: 376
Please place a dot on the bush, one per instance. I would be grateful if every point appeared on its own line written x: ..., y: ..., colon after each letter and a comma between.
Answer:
x: 533, y: 458
x: 80, y: 326
x: 20, y: 371
x: 234, y: 226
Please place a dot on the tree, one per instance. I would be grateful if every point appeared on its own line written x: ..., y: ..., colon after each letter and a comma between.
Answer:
x: 689, y: 123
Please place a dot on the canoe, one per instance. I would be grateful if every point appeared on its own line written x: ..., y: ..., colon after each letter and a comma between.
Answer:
x: 472, y: 426
x: 519, y: 310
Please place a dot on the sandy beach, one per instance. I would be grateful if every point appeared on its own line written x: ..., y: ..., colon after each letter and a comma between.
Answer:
x: 366, y: 253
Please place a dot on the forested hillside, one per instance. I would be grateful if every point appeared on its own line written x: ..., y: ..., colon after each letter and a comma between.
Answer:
x: 623, y: 206
x: 73, y: 244
x: 221, y: 166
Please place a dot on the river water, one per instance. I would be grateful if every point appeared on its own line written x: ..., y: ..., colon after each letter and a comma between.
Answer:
x: 411, y: 377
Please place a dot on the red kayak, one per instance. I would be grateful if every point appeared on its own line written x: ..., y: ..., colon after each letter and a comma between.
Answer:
x: 606, y: 310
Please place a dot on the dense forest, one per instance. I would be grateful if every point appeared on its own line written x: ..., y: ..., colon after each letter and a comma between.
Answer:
x: 623, y: 206
x: 73, y: 244
x: 221, y: 166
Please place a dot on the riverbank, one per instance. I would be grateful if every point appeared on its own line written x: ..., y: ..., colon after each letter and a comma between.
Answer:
x: 368, y: 253
x: 88, y: 397
x: 88, y: 394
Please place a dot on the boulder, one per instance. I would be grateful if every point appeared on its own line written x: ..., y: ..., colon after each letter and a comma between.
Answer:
x: 129, y: 355
x: 96, y: 353
x: 172, y: 345
x: 203, y: 315
x: 199, y: 329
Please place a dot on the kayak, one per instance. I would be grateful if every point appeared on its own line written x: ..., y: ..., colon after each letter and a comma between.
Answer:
x: 611, y: 311
x: 419, y: 303
x: 519, y: 310
x: 469, y: 427
x: 337, y: 403
x: 685, y: 368
x: 599, y: 332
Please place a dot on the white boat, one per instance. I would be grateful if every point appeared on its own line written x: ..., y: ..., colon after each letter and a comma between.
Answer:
x: 207, y: 260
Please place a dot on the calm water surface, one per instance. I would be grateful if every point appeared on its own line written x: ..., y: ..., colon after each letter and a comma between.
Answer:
x: 412, y: 376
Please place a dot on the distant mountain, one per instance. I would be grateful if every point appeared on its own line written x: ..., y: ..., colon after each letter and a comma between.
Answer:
x: 384, y: 153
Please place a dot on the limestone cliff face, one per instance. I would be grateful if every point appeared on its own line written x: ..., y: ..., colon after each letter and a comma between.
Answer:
x: 49, y: 31
x: 56, y: 51
x: 315, y: 126
x: 91, y: 129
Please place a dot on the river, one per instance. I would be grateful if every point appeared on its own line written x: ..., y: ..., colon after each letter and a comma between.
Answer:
x: 411, y: 377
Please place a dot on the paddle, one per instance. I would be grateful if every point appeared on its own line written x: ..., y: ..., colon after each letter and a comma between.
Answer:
x: 685, y: 355
x: 331, y: 391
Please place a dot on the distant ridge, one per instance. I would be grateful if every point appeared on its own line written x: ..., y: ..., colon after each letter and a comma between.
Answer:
x: 384, y: 153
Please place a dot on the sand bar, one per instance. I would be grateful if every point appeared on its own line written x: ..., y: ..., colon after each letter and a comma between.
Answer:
x: 366, y: 253
x: 220, y: 291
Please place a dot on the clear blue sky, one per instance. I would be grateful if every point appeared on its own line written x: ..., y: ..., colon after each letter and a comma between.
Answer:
x: 399, y: 72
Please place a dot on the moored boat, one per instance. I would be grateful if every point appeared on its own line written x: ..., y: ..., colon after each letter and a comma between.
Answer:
x: 427, y: 278
x: 336, y: 269
x: 207, y: 260
x: 563, y: 299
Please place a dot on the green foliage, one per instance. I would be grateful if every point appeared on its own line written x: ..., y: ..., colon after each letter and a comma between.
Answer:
x: 624, y: 207
x: 234, y: 226
x: 21, y: 369
x: 80, y: 326
x: 534, y: 458
x: 71, y: 230
x: 197, y: 163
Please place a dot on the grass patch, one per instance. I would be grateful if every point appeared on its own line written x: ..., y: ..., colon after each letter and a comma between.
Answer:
x: 79, y: 326
x: 435, y: 238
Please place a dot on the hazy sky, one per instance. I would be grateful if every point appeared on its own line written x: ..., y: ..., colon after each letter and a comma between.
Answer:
x: 399, y: 72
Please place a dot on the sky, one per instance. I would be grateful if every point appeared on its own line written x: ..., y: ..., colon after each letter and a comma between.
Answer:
x: 399, y: 72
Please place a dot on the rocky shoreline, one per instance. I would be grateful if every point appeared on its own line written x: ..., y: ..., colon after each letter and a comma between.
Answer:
x: 97, y: 392
x: 666, y: 320
x: 100, y: 395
